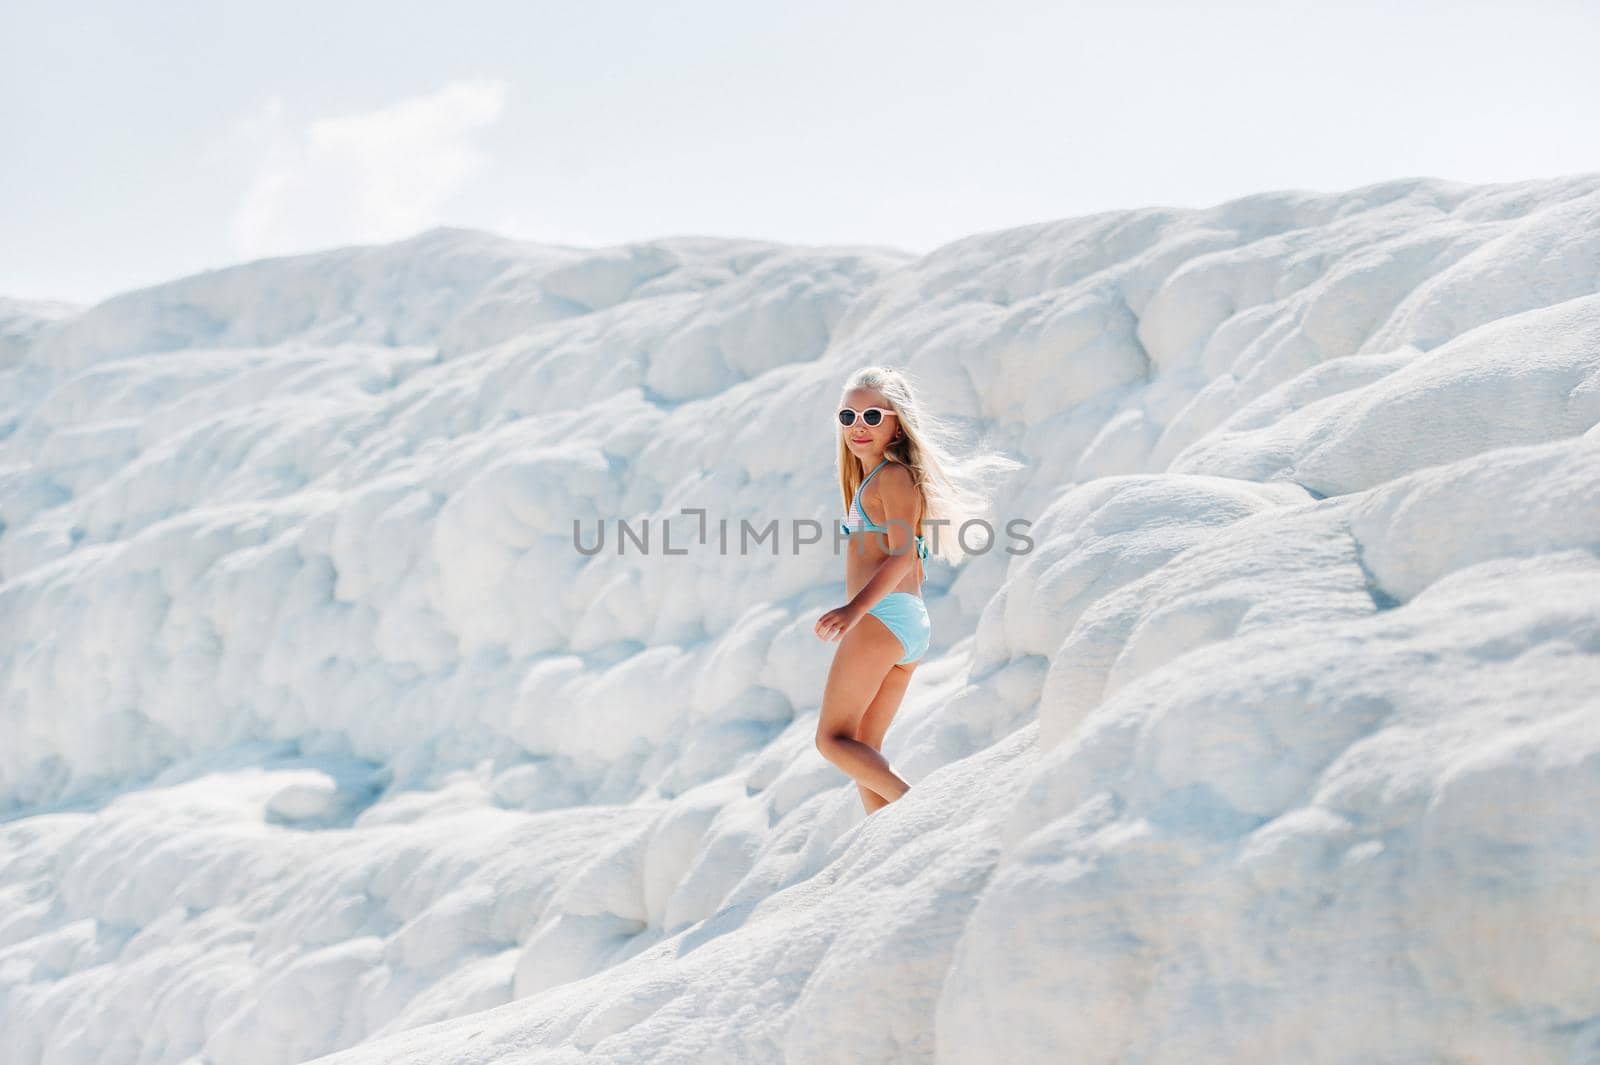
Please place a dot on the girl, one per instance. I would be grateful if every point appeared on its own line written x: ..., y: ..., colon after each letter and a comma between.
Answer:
x: 896, y: 472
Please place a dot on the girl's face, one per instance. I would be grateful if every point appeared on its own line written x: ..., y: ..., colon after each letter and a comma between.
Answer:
x: 863, y: 439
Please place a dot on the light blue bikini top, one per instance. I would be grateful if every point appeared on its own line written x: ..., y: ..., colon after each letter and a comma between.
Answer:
x: 851, y: 524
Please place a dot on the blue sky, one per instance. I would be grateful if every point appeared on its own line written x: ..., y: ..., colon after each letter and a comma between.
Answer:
x: 146, y: 142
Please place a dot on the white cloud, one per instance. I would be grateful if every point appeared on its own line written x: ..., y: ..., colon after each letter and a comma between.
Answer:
x: 362, y: 178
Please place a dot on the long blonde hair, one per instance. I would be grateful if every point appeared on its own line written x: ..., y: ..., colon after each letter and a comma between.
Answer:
x: 954, y: 489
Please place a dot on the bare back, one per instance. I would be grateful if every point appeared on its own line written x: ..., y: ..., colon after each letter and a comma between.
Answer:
x: 865, y: 550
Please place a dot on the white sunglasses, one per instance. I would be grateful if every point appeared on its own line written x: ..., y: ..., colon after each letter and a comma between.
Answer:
x: 870, y: 416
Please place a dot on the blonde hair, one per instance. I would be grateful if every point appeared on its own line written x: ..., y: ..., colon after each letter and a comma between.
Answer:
x: 954, y: 489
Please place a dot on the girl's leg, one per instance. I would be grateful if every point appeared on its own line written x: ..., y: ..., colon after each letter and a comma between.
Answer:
x: 871, y: 799
x: 875, y: 723
x: 866, y: 655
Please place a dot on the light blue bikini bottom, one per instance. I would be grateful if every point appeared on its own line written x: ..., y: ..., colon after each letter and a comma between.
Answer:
x: 907, y: 617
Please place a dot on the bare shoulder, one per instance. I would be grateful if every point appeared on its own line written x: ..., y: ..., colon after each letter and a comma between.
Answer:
x: 896, y: 479
x: 895, y: 490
